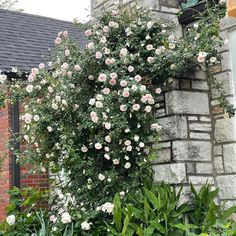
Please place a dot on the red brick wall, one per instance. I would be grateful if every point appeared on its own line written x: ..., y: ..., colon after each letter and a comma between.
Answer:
x: 26, y: 179
x: 5, y: 168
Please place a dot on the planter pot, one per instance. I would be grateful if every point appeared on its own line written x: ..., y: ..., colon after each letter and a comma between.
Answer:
x: 231, y: 6
x: 189, y: 14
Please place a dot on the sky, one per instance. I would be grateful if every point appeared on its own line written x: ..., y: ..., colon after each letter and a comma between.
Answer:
x: 59, y: 9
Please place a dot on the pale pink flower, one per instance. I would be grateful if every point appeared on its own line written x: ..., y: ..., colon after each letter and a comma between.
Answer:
x: 77, y: 67
x: 59, y: 34
x: 64, y: 66
x: 116, y: 162
x: 129, y: 148
x: 158, y: 91
x: 130, y: 68
x: 136, y: 107
x: 150, y: 60
x: 134, y: 88
x: 108, y: 61
x: 158, y: 51
x: 149, y: 47
x: 41, y: 66
x: 112, y: 24
x: 123, y: 52
x: 57, y: 41
x: 67, y: 52
x: 101, y: 177
x: 113, y: 75
x: 108, y: 138
x: 107, y: 156
x: 98, y: 55
x: 102, y: 78
x: 98, y: 146
x: 106, y: 91
x: 126, y: 93
x: 84, y: 149
x: 112, y: 82
x: 127, y: 165
x: 108, y: 125
x: 123, y: 83
x: 50, y: 64
x: 107, y: 51
x: 156, y: 127
x: 137, y: 78
x: 98, y: 104
x: 88, y: 32
x: 34, y: 71
x: 65, y: 34
x: 106, y: 29
x: 201, y: 57
x: 90, y: 45
x: 148, y: 109
x: 31, y: 78
x: 143, y: 87
x: 94, y: 117
x: 123, y: 107
x: 127, y: 143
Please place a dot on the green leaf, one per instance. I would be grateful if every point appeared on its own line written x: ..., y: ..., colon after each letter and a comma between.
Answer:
x: 117, y: 213
x: 185, y: 227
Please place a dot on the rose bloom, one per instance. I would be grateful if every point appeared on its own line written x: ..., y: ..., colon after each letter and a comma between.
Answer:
x: 65, y: 34
x: 107, y: 157
x: 113, y: 75
x: 77, y: 67
x: 41, y: 66
x: 57, y: 41
x: 103, y: 39
x: 129, y: 148
x: 123, y: 83
x: 106, y: 91
x: 102, y: 78
x: 201, y: 57
x: 149, y: 47
x: 108, y: 125
x: 171, y: 38
x: 137, y: 78
x: 116, y: 162
x: 149, y: 24
x: 156, y: 127
x: 98, y: 55
x: 213, y: 59
x: 88, y: 32
x: 173, y: 66
x: 106, y: 29
x: 150, y: 60
x: 151, y: 101
x: 107, y: 51
x: 98, y: 104
x: 123, y: 52
x: 31, y: 77
x: 158, y: 51
x: 101, y: 177
x: 91, y: 77
x: 34, y: 71
x: 134, y: 88
x: 98, y: 146
x: 67, y: 52
x: 65, y: 218
x: 99, y: 97
x: 84, y: 149
x: 50, y: 129
x: 127, y: 165
x: 158, y: 91
x: 107, y: 207
x: 92, y: 101
x: 36, y: 118
x: 90, y: 45
x: 108, y: 61
x: 136, y: 107
x: 29, y: 88
x: 85, y: 226
x: 11, y: 219
x: 108, y: 138
x: 94, y: 117
x: 65, y: 66
x: 123, y: 107
x: 130, y: 68
x: 112, y: 82
x: 50, y: 89
x: 171, y: 45
x: 143, y: 87
x: 148, y: 109
x: 127, y: 143
x: 126, y: 93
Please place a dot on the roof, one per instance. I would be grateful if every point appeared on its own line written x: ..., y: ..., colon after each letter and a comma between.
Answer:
x: 24, y: 38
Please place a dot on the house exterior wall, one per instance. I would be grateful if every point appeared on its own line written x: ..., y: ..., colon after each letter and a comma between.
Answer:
x: 198, y: 140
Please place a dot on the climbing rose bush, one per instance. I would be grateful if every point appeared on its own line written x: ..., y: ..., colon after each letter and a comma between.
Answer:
x: 89, y: 113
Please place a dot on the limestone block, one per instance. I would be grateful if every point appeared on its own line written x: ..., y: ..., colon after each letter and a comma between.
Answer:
x: 201, y: 85
x: 163, y: 155
x: 192, y: 118
x: 200, y: 126
x: 204, y: 168
x: 173, y: 127
x: 191, y: 166
x: 218, y: 150
x: 191, y: 150
x: 194, y: 135
x: 225, y: 130
x: 201, y: 180
x: 171, y: 173
x: 227, y: 186
x: 185, y: 102
x: 225, y: 62
x: 218, y: 164
x: 229, y: 151
x: 205, y: 119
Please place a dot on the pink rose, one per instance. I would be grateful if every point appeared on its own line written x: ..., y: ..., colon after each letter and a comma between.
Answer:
x: 106, y: 91
x: 98, y: 55
x: 123, y: 83
x: 57, y: 41
x: 158, y: 91
x: 116, y: 162
x: 65, y: 34
x: 106, y: 29
x: 113, y: 75
x: 31, y: 77
x: 34, y: 71
x: 108, y: 61
x: 88, y: 32
x: 102, y: 78
x: 64, y: 66
x: 130, y: 68
x: 94, y: 117
x: 123, y: 108
x: 126, y: 93
x: 150, y: 60
x: 112, y: 82
x: 41, y: 66
x: 138, y: 78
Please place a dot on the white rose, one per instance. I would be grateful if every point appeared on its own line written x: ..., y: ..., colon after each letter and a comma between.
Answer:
x: 123, y: 52
x: 156, y: 127
x: 108, y: 138
x: 36, y: 118
x: 92, y: 101
x: 127, y: 165
x: 129, y: 148
x: 108, y: 125
x: 127, y: 142
x: 98, y: 146
x: 65, y: 218
x: 85, y: 226
x: 101, y: 177
x: 99, y: 104
x: 3, y: 79
x: 84, y: 149
x: 149, y: 47
x: 107, y: 207
x: 50, y: 89
x: 11, y: 219
x: 50, y: 129
x: 107, y: 156
x: 90, y: 45
x: 54, y: 106
x: 123, y: 83
x: 29, y: 88
x: 123, y: 107
x: 136, y: 107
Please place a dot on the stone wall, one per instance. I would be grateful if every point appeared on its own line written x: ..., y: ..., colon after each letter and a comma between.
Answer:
x: 198, y: 143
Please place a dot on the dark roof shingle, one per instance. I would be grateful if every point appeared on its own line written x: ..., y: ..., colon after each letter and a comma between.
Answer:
x: 24, y: 38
